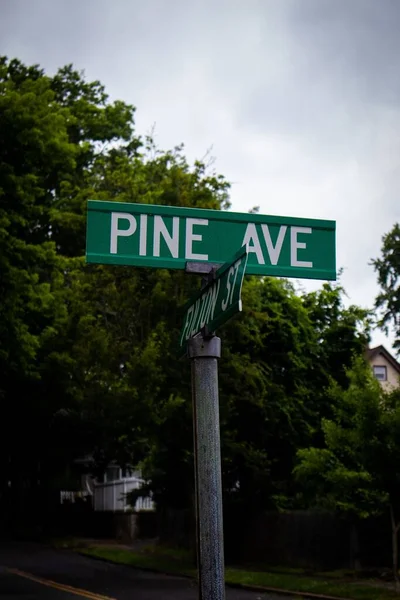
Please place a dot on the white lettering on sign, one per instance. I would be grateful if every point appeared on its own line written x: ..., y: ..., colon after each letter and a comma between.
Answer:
x: 251, y: 235
x: 194, y: 237
x: 116, y: 217
x: 216, y: 299
x: 172, y: 241
x: 234, y: 269
x: 296, y: 245
x: 257, y: 238
x: 143, y: 235
x: 251, y: 240
x: 193, y: 327
x: 224, y: 303
x: 274, y: 251
x: 188, y: 322
x: 203, y: 312
x: 213, y: 293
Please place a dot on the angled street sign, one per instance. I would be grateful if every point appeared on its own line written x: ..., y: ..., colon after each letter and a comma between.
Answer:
x: 218, y: 301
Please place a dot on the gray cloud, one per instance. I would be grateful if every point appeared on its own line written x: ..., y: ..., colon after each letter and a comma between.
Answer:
x: 356, y: 42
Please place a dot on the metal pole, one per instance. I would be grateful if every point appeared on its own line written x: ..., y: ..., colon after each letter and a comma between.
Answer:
x: 204, y: 354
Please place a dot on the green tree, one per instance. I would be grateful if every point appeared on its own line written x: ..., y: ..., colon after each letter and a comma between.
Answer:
x: 278, y: 357
x: 80, y: 347
x: 278, y: 361
x: 88, y: 353
x: 356, y: 472
x: 388, y: 269
x: 341, y: 331
x: 34, y: 150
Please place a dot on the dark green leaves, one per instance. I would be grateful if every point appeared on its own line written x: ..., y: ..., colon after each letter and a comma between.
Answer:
x: 88, y: 353
x: 388, y: 269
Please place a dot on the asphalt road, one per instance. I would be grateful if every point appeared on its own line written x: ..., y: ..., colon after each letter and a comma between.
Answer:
x: 35, y: 572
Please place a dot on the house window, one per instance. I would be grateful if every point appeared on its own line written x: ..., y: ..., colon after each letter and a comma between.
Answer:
x: 380, y: 372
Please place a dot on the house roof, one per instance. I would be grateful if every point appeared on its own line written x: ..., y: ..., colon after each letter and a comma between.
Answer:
x: 381, y: 350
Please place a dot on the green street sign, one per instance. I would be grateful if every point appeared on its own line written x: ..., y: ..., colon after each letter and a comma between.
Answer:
x: 218, y: 301
x: 120, y: 233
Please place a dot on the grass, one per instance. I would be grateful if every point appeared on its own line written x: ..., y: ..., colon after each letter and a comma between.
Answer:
x: 146, y: 559
x: 177, y: 562
x: 308, y: 584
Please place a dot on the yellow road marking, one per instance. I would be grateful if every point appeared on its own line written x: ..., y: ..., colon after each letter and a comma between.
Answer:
x: 59, y: 586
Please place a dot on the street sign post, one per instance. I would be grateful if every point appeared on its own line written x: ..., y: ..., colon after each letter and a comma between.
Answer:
x: 198, y: 241
x: 204, y: 353
x: 218, y: 301
x: 215, y: 304
x: 168, y: 237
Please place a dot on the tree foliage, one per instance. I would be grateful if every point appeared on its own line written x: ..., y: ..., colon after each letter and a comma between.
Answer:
x: 388, y: 269
x: 356, y: 471
x: 88, y: 353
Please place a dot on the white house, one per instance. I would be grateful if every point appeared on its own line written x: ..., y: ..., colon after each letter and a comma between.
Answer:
x: 108, y: 493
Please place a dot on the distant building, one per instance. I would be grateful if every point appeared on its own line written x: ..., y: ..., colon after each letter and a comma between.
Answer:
x: 385, y: 367
x: 108, y: 492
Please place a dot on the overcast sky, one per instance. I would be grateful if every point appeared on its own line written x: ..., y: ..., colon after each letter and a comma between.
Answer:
x: 300, y: 99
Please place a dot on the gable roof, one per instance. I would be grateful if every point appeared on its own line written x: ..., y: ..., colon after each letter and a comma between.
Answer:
x: 381, y: 350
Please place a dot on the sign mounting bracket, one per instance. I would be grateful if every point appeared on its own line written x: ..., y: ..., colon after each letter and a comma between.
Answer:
x: 201, y: 268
